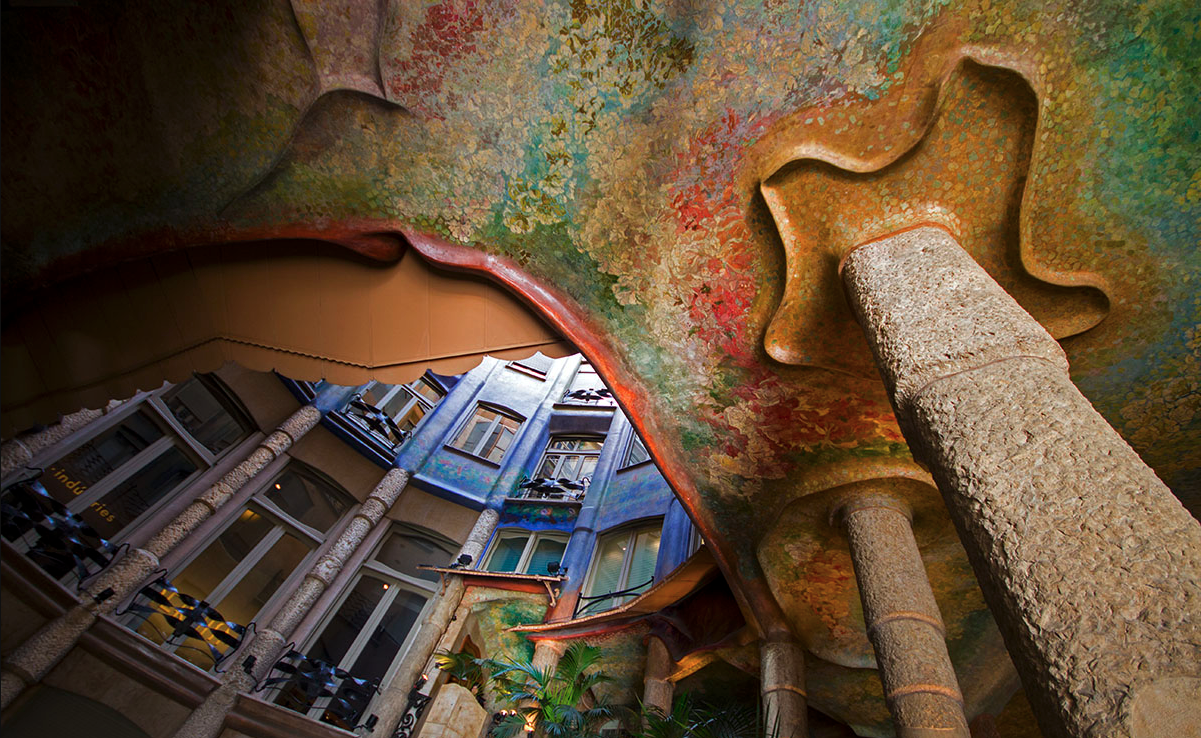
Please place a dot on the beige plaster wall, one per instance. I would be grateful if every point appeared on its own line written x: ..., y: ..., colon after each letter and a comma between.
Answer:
x: 436, y: 514
x: 323, y: 451
x: 262, y: 393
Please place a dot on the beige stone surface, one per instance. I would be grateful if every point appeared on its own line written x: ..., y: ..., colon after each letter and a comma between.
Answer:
x: 1090, y: 566
x: 782, y: 682
x: 434, y: 513
x: 262, y: 394
x: 324, y: 451
x: 902, y: 617
x: 453, y: 713
x: 17, y: 452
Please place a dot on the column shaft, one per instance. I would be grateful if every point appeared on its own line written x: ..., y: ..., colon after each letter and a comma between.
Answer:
x: 903, y: 621
x: 657, y: 691
x: 782, y: 682
x: 1090, y: 566
x: 33, y: 659
x: 418, y: 660
x: 20, y: 450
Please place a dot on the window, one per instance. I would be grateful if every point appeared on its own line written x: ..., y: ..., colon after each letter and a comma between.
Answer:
x: 247, y: 563
x: 636, y: 453
x: 121, y: 467
x: 587, y: 388
x: 366, y: 634
x: 523, y: 552
x: 624, y: 560
x: 404, y: 405
x: 487, y: 434
x: 536, y: 366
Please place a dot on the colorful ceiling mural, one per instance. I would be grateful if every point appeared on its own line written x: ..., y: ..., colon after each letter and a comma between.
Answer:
x: 672, y: 184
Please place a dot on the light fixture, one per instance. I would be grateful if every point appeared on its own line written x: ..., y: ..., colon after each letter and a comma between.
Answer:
x: 277, y: 486
x: 385, y: 586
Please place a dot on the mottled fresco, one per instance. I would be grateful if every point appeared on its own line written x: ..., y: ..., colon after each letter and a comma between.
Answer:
x: 673, y: 185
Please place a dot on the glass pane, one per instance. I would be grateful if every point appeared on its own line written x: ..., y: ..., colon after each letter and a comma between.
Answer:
x: 375, y: 394
x: 609, y: 558
x: 243, y: 603
x: 501, y: 438
x: 591, y: 444
x: 469, y: 438
x: 308, y: 500
x: 646, y: 552
x: 73, y: 474
x: 397, y: 403
x: 403, y: 553
x: 587, y: 467
x: 570, y: 468
x: 411, y: 418
x: 388, y: 636
x: 215, y: 563
x: 549, y: 464
x: 136, y: 495
x: 546, y: 550
x: 349, y: 621
x: 506, y: 554
x: 200, y: 411
x: 638, y: 452
x: 427, y: 391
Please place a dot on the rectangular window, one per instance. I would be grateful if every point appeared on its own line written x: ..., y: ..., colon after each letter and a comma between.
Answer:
x: 487, y: 434
x: 367, y: 633
x: 624, y: 563
x: 523, y: 552
x: 636, y: 453
x: 588, y: 389
x: 248, y: 562
x: 382, y: 406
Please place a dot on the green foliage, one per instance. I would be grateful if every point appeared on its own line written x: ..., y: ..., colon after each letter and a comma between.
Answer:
x: 464, y: 668
x: 546, y: 703
x: 692, y: 719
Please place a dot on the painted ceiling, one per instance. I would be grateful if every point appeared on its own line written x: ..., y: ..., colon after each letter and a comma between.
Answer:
x: 672, y: 184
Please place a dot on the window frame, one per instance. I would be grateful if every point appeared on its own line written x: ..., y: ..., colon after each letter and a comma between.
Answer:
x: 397, y: 581
x: 282, y: 523
x: 531, y: 544
x: 415, y: 399
x: 631, y: 533
x: 174, y: 435
x: 634, y: 442
x: 564, y: 454
x: 501, y: 412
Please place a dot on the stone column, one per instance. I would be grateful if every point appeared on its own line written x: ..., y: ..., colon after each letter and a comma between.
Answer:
x: 32, y: 660
x: 1090, y: 566
x: 547, y: 653
x: 418, y: 659
x: 20, y: 450
x: 903, y: 621
x: 782, y: 682
x: 656, y: 689
x: 206, y: 721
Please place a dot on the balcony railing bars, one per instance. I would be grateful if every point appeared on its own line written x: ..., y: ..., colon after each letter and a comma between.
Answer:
x: 542, y: 488
x: 186, y: 618
x: 306, y: 680
x: 590, y: 605
x: 588, y: 396
x: 59, y: 541
x: 376, y: 421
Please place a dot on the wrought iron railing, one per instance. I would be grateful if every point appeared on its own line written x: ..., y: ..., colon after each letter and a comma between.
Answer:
x: 589, y: 396
x: 187, y: 620
x: 542, y: 488
x: 591, y: 605
x: 376, y: 421
x: 58, y: 541
x: 305, y: 681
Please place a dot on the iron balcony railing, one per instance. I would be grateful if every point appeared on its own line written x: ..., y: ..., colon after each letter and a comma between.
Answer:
x: 542, y: 488
x: 56, y: 539
x: 592, y: 605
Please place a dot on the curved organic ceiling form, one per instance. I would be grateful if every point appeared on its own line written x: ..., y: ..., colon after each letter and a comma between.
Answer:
x: 670, y: 183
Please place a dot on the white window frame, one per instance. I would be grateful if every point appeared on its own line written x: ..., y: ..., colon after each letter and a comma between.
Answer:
x: 283, y: 523
x: 174, y: 435
x: 565, y: 454
x: 532, y: 538
x: 415, y: 398
x: 634, y: 442
x: 631, y: 534
x: 500, y: 412
x: 396, y: 582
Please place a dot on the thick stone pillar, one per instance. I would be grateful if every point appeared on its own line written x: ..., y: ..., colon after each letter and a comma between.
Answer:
x: 207, y: 720
x: 418, y: 659
x: 657, y: 691
x: 903, y: 621
x: 20, y: 450
x: 782, y: 683
x: 1090, y: 566
x: 32, y: 660
x: 547, y: 654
